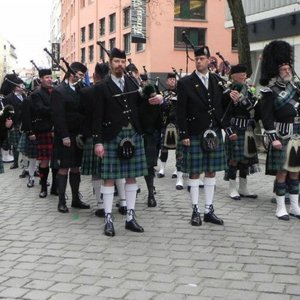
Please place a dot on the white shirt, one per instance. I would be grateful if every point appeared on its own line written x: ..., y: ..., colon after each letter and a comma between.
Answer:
x: 204, y: 78
x: 117, y: 80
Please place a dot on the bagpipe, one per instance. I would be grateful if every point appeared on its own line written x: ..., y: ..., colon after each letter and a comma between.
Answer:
x: 225, y: 66
x: 68, y: 70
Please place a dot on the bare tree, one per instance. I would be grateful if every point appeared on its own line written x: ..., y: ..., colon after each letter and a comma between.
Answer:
x: 241, y: 29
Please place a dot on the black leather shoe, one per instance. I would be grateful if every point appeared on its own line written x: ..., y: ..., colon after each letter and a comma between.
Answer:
x: 43, y: 194
x: 251, y: 196
x: 174, y: 176
x: 30, y: 183
x: 80, y: 204
x: 235, y: 198
x: 133, y: 226
x: 109, y: 229
x: 159, y: 175
x: 179, y: 187
x: 151, y: 201
x: 14, y: 166
x: 196, y: 218
x: 62, y: 208
x: 123, y: 210
x: 100, y: 213
x: 284, y: 217
x: 212, y: 218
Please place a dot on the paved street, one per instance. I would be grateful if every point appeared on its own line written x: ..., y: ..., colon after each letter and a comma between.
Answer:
x: 48, y: 255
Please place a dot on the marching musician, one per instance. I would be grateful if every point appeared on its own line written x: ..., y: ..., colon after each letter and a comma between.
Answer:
x: 281, y: 119
x: 15, y: 98
x: 117, y: 135
x: 6, y: 123
x: 200, y: 115
x: 41, y: 129
x: 67, y: 119
x: 241, y: 153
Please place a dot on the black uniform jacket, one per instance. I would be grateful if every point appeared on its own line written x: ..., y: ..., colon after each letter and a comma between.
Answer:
x: 41, y: 112
x: 67, y: 117
x: 87, y: 105
x: 13, y: 100
x: 112, y: 113
x: 194, y: 103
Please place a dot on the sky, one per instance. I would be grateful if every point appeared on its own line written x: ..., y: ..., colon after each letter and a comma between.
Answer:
x: 26, y: 25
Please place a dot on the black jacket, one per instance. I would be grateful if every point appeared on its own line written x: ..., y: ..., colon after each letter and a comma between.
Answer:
x: 67, y: 117
x: 13, y: 100
x: 41, y: 112
x: 112, y: 113
x: 194, y: 103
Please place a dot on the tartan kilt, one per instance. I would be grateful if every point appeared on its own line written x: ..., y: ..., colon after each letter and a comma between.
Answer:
x: 235, y: 149
x: 91, y: 164
x: 197, y: 161
x: 113, y: 167
x: 152, y: 147
x: 14, y: 137
x: 44, y: 145
x: 67, y: 157
x: 276, y: 158
x: 27, y: 147
x: 1, y: 163
x: 179, y: 156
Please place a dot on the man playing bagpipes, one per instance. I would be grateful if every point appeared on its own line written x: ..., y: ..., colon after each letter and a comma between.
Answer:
x: 281, y: 120
x: 117, y: 132
x: 241, y: 153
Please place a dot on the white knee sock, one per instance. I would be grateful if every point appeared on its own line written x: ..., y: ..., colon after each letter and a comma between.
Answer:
x: 130, y: 192
x: 108, y: 197
x: 209, y: 191
x: 121, y: 191
x: 194, y: 191
x: 97, y: 186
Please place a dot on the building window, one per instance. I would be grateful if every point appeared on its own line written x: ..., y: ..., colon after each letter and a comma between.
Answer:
x: 82, y: 58
x: 82, y: 3
x: 91, y: 31
x: 140, y: 47
x: 112, y: 43
x: 234, y: 43
x: 82, y: 31
x: 126, y: 42
x: 91, y: 53
x: 126, y: 17
x: 195, y: 35
x: 190, y: 9
x: 102, y: 26
x: 102, y: 52
x: 112, y: 22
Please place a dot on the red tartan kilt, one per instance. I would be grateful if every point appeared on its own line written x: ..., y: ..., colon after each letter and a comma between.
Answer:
x: 44, y: 146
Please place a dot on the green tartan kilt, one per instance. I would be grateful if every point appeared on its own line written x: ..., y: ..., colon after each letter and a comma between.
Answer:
x: 90, y: 164
x: 235, y: 149
x: 27, y: 147
x: 14, y: 137
x: 179, y: 156
x: 197, y: 161
x: 276, y: 158
x: 113, y: 167
x: 1, y: 163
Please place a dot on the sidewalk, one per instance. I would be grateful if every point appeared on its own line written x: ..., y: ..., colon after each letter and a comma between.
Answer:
x: 48, y: 255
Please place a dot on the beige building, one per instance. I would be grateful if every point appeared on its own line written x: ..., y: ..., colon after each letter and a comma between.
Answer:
x: 8, y: 57
x: 149, y: 31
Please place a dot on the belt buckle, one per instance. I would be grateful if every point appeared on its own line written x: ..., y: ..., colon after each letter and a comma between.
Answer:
x: 296, y: 120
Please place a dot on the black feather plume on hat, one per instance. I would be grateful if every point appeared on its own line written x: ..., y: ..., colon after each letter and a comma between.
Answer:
x: 275, y: 54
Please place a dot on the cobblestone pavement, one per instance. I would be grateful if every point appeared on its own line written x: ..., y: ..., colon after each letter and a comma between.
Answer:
x: 48, y: 255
